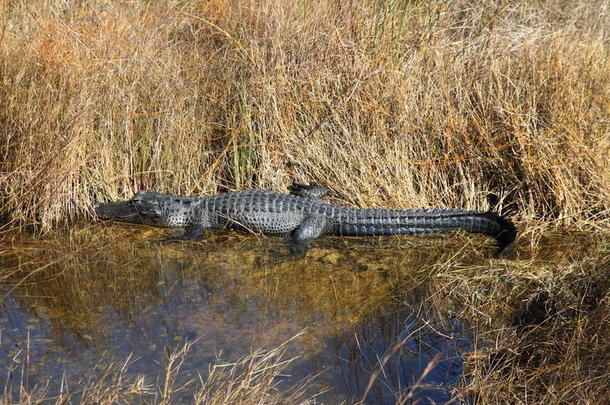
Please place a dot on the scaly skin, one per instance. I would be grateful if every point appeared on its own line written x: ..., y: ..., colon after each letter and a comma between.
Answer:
x: 301, y: 215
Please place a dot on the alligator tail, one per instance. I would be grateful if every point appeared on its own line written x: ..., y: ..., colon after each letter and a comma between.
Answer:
x: 397, y: 222
x: 502, y: 230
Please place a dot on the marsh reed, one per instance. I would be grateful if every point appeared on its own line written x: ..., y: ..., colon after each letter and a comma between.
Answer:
x: 485, y: 104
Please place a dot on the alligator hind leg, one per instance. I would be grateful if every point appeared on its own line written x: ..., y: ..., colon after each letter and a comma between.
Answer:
x: 191, y: 232
x: 308, y: 190
x: 311, y: 227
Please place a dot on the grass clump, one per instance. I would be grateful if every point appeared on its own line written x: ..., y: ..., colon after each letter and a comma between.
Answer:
x: 252, y: 379
x: 542, y: 329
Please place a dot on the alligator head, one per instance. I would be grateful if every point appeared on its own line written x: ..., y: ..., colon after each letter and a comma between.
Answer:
x: 148, y: 208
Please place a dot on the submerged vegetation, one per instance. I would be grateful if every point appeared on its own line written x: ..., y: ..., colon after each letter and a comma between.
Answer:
x: 498, y: 105
x: 529, y: 330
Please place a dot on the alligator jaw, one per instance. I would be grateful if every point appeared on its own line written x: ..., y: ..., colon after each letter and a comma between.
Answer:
x: 124, y: 211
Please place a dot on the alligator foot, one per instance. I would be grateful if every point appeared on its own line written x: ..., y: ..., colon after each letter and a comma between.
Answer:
x: 503, y: 251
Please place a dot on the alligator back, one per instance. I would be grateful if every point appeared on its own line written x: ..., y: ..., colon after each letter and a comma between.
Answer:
x: 256, y: 210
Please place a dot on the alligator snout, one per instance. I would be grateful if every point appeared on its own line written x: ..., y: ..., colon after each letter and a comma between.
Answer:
x: 117, y: 211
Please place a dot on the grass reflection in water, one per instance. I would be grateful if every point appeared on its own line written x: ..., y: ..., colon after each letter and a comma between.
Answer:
x: 384, y: 319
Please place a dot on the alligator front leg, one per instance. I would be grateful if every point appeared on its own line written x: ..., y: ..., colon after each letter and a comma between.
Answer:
x: 311, y: 228
x: 191, y: 232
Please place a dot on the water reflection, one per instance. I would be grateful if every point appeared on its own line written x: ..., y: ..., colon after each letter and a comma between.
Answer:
x: 106, y: 293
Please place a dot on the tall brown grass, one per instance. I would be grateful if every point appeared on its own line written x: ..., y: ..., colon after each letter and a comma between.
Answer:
x: 397, y: 103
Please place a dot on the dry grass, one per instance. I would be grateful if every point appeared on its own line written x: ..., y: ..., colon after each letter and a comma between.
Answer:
x: 398, y: 103
x: 107, y: 384
x: 253, y: 379
x: 543, y: 327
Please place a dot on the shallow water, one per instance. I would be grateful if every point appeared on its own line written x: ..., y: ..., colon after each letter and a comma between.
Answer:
x: 101, y: 293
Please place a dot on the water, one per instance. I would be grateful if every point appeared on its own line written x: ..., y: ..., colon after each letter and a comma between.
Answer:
x: 102, y: 293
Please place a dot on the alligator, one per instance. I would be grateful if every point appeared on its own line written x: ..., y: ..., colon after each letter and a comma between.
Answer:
x: 301, y: 215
